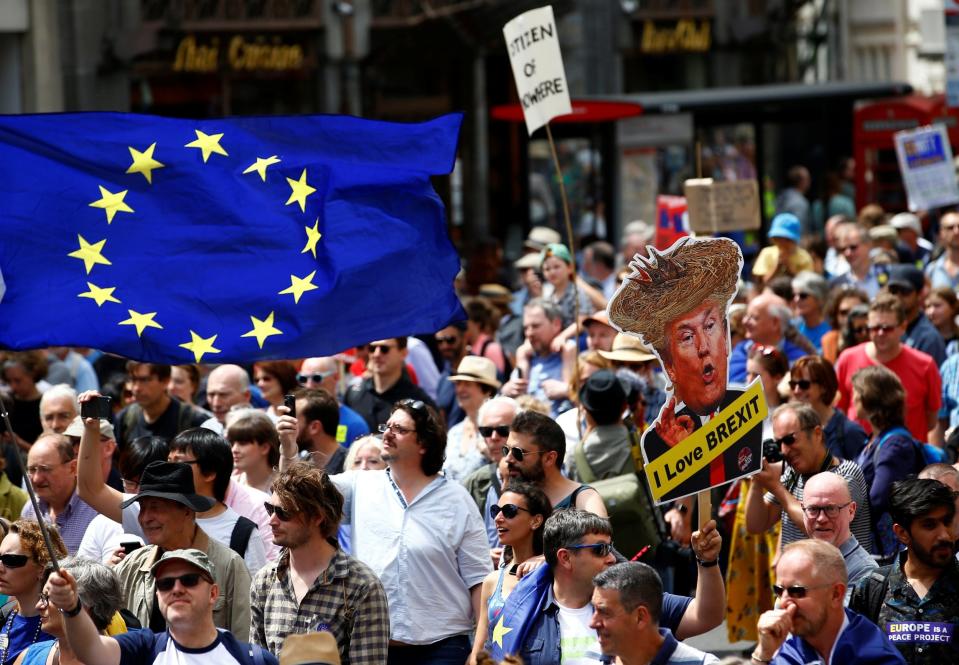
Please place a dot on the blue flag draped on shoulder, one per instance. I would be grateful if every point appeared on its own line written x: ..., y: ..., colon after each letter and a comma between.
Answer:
x: 520, y: 611
x: 180, y: 241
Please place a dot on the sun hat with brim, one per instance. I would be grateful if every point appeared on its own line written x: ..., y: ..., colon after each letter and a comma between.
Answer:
x: 628, y: 349
x: 906, y: 220
x: 310, y: 649
x: 75, y: 428
x: 540, y: 236
x: 558, y: 250
x: 192, y: 556
x: 478, y: 370
x: 496, y: 293
x: 785, y: 225
x: 172, y: 481
x: 528, y: 261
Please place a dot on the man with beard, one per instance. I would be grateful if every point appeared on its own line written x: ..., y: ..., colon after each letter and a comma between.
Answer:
x: 314, y: 585
x: 388, y: 383
x: 915, y: 600
x: 811, y: 625
x: 540, y: 368
x: 318, y: 418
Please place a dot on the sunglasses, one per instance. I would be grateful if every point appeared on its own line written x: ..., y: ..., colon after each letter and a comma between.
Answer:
x: 789, y: 439
x: 189, y: 580
x: 14, y: 560
x: 831, y: 510
x: 844, y: 312
x: 509, y: 510
x: 382, y: 348
x: 801, y: 296
x: 897, y: 290
x: 316, y: 377
x: 802, y: 384
x: 796, y: 590
x: 447, y: 339
x: 519, y: 453
x: 487, y: 432
x: 415, y: 404
x: 599, y: 549
x: 883, y: 328
x: 860, y: 330
x: 281, y: 513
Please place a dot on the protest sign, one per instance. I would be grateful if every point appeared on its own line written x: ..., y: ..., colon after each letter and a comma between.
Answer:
x: 951, y: 55
x: 925, y: 161
x: 671, y: 220
x: 708, y: 433
x: 533, y: 44
x: 719, y: 207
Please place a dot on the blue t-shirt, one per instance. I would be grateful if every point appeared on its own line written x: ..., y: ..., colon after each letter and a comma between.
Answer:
x: 22, y: 631
x: 352, y: 426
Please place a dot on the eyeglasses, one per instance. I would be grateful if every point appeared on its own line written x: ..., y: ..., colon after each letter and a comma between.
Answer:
x: 860, y: 330
x: 802, y: 384
x: 14, y: 560
x: 396, y: 429
x: 447, y: 339
x: 801, y: 296
x: 844, y: 312
x: 189, y: 580
x: 831, y: 510
x: 281, y: 513
x: 518, y: 453
x: 848, y: 248
x: 42, y: 469
x: 509, y: 510
x: 883, y: 328
x: 789, y: 439
x: 599, y: 549
x: 487, y: 432
x: 796, y: 590
x: 382, y: 348
x: 899, y: 290
x: 315, y: 377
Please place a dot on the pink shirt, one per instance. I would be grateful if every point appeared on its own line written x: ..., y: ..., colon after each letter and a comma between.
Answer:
x: 248, y: 502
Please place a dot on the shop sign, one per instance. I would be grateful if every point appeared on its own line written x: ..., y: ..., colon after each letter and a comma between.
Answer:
x: 685, y: 35
x: 241, y: 54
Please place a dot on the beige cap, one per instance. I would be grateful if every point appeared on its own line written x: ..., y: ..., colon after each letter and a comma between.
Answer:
x: 192, y: 556
x: 530, y: 260
x: 628, y: 349
x: 540, y: 236
x: 75, y: 428
x: 599, y: 316
x: 478, y: 370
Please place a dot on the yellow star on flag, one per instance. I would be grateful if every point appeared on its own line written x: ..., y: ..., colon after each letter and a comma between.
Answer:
x: 98, y: 294
x: 143, y: 162
x: 111, y: 203
x: 200, y: 346
x: 208, y: 144
x: 261, y: 165
x: 499, y: 630
x: 90, y: 254
x: 300, y: 191
x: 298, y: 286
x: 262, y: 329
x: 313, y: 236
x: 140, y: 321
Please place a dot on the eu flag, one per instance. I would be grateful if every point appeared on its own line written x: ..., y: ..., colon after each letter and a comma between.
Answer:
x: 179, y: 241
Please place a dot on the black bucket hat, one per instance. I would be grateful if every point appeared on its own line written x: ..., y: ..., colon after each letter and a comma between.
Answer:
x: 172, y: 481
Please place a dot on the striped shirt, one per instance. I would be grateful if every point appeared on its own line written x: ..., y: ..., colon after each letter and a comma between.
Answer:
x: 861, y: 526
x: 347, y: 600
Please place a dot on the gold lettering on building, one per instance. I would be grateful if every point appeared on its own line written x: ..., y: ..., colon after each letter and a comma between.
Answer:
x: 193, y: 57
x: 242, y: 55
x: 685, y: 35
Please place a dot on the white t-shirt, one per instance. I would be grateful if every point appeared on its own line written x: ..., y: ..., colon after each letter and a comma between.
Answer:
x: 578, y: 643
x: 102, y: 537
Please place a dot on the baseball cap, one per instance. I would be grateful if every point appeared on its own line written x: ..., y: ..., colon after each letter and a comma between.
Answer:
x: 540, y: 236
x: 192, y: 556
x: 75, y: 428
x: 905, y: 275
x: 906, y: 220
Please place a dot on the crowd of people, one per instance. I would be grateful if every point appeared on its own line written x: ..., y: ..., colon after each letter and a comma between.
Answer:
x: 413, y: 494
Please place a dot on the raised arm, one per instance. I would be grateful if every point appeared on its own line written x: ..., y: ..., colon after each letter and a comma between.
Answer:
x: 89, y: 646
x: 708, y: 608
x: 91, y: 485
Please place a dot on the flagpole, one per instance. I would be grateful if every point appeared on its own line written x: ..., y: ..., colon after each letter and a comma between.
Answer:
x: 29, y: 485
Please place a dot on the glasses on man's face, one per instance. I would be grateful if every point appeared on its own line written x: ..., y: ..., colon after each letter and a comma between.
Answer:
x: 519, y: 453
x: 802, y: 384
x: 796, y: 590
x: 789, y: 439
x: 188, y: 580
x: 487, y: 432
x: 42, y: 469
x: 881, y: 328
x: 398, y: 430
x: 379, y: 348
x: 509, y: 510
x: 280, y: 513
x: 860, y: 330
x: 830, y: 510
x: 447, y: 339
x: 14, y: 560
x: 315, y: 377
x: 599, y: 549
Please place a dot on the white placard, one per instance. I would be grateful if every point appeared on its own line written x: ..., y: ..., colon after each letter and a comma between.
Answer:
x: 925, y: 161
x: 532, y: 41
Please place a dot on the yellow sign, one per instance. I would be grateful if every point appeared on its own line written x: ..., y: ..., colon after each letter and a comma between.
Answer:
x: 696, y: 451
x: 242, y: 54
x: 685, y: 35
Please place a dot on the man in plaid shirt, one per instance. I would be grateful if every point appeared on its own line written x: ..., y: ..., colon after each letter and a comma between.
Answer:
x: 315, y: 586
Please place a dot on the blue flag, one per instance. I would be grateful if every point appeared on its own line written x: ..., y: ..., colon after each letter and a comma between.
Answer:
x: 180, y: 241
x: 521, y: 610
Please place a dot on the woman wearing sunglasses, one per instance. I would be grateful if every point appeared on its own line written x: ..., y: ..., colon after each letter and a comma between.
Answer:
x: 23, y: 558
x: 842, y: 299
x: 812, y: 381
x: 99, y: 591
x: 519, y: 515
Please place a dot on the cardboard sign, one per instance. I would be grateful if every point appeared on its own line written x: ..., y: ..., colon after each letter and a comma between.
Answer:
x: 533, y: 44
x: 719, y: 207
x: 708, y: 432
x: 925, y: 161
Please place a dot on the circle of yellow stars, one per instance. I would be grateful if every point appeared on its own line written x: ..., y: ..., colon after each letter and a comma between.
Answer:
x: 112, y: 203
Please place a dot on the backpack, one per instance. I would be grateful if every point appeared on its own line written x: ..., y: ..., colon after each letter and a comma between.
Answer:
x: 240, y: 537
x: 930, y: 454
x: 875, y: 593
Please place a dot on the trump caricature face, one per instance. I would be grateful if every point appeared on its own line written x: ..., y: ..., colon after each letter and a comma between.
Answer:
x: 698, y: 357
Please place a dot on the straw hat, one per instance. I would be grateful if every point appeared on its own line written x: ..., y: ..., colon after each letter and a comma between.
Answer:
x: 310, y: 649
x: 628, y: 349
x: 478, y: 370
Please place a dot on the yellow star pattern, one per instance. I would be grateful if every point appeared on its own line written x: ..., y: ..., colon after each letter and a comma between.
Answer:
x: 143, y: 162
x: 208, y: 144
x: 111, y: 203
x: 98, y: 294
x: 91, y: 255
x: 200, y: 346
x: 499, y: 630
x: 261, y: 165
x: 300, y: 191
x: 313, y: 236
x: 298, y: 286
x: 262, y: 329
x: 141, y: 321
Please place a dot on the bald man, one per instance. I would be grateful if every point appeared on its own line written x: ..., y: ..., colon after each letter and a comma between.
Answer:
x: 828, y: 510
x: 324, y: 372
x: 227, y: 387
